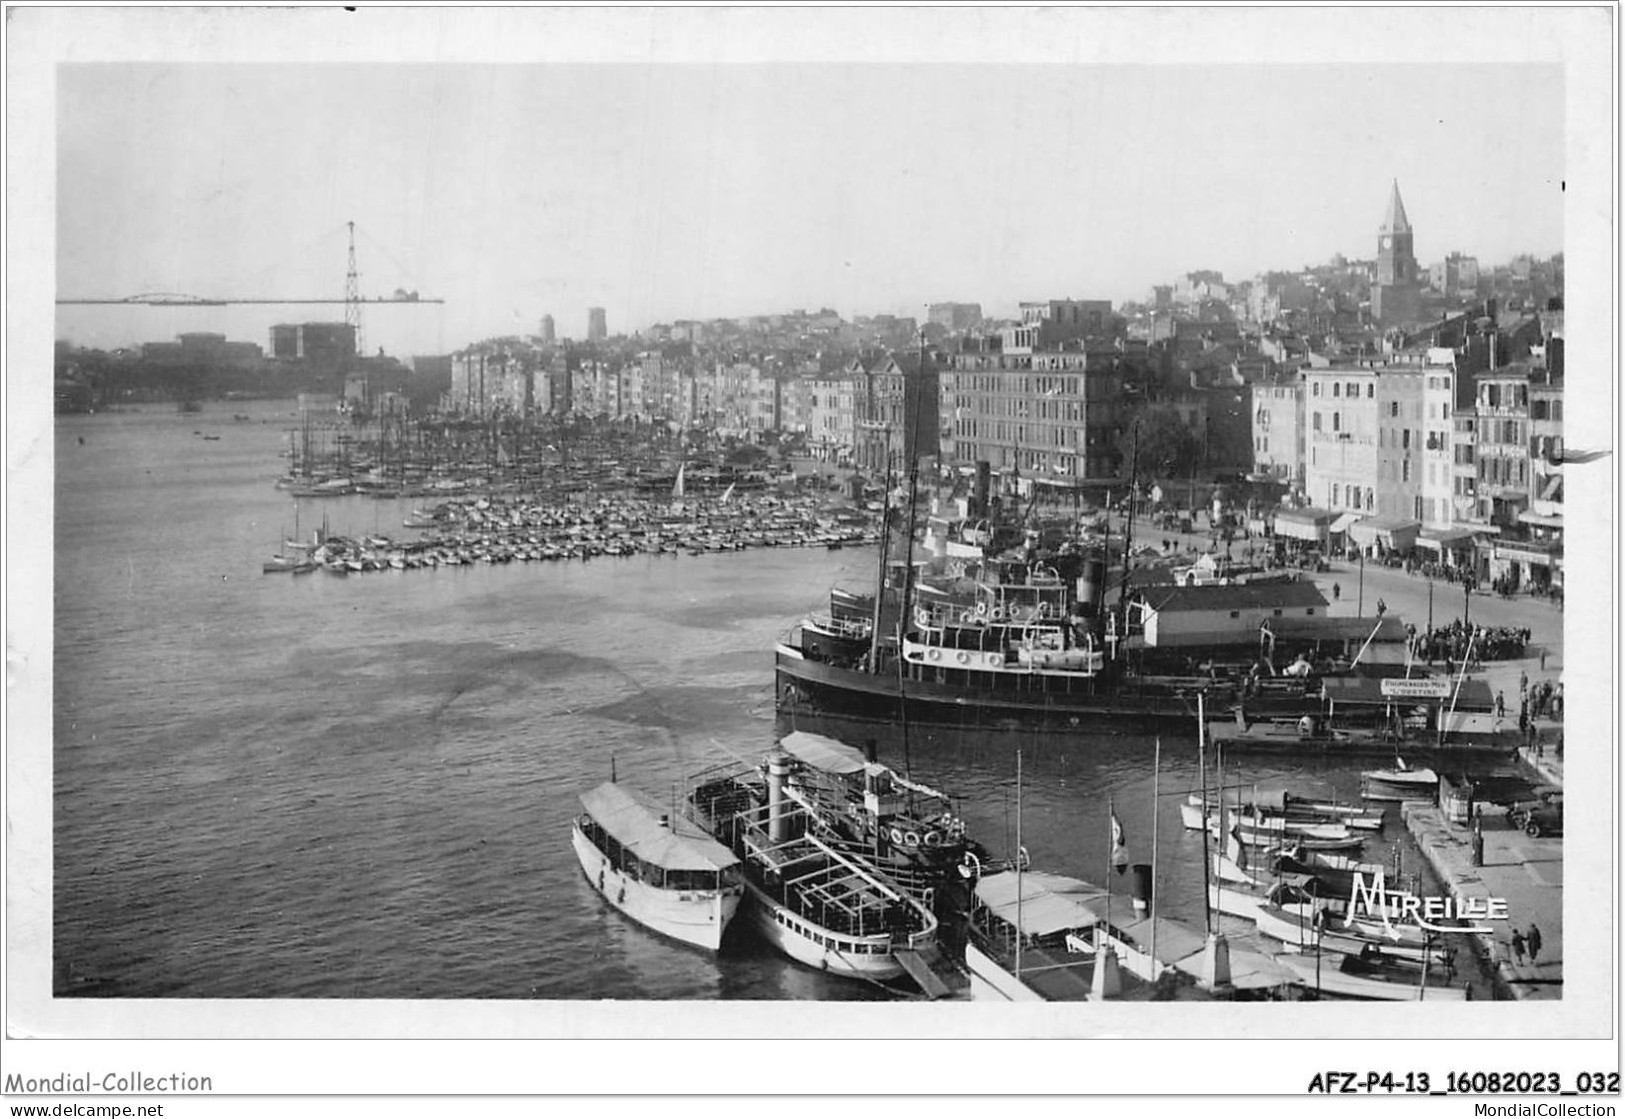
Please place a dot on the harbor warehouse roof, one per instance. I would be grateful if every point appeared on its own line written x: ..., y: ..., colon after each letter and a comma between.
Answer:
x: 677, y: 845
x: 1245, y: 596
x: 823, y: 753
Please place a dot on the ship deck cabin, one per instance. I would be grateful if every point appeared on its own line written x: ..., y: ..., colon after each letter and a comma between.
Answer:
x: 824, y: 885
x: 655, y: 848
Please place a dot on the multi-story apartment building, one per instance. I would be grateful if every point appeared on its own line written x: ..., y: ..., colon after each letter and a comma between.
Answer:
x: 1279, y: 439
x: 1464, y: 466
x: 1366, y: 440
x: 1439, y: 476
x: 1545, y: 454
x: 1045, y: 413
x: 896, y: 412
x: 954, y: 316
x: 1058, y: 321
x: 830, y: 432
x: 745, y: 400
x: 487, y: 382
x: 795, y: 404
x: 1502, y: 406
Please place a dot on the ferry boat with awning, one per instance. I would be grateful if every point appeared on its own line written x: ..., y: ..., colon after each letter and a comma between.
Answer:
x: 657, y: 867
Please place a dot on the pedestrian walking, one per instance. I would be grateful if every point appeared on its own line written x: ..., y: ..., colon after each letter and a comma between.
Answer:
x: 1523, y: 683
x: 1500, y: 705
x: 1543, y: 658
x: 1337, y: 591
x: 1382, y: 608
x: 1517, y: 947
x: 1533, y: 940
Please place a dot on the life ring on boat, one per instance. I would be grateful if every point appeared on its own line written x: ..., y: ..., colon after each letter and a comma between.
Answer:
x: 933, y: 839
x: 998, y: 613
x: 962, y: 657
x: 897, y: 836
x: 935, y: 654
x: 1306, y: 725
x: 970, y: 866
x: 911, y: 839
x: 966, y: 616
x: 1041, y: 611
x: 922, y: 616
x: 981, y: 610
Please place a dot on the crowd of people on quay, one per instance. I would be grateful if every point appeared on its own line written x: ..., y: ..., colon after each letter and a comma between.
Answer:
x: 1489, y: 643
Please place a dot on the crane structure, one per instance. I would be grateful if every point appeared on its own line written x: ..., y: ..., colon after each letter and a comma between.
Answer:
x: 179, y: 299
x: 353, y: 300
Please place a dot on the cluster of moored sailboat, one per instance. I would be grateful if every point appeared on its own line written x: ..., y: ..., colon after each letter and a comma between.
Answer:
x: 844, y: 865
x: 501, y: 530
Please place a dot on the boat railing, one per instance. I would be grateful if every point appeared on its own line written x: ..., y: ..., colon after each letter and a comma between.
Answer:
x: 842, y: 627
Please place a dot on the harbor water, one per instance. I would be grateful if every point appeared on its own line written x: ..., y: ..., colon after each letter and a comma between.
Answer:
x: 362, y: 787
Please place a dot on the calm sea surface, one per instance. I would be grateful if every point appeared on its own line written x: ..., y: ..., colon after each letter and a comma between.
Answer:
x: 361, y: 787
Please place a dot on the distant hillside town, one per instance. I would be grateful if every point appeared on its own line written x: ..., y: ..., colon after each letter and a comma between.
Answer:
x: 1424, y: 402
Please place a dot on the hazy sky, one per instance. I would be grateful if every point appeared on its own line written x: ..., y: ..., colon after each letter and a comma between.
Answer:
x: 676, y: 190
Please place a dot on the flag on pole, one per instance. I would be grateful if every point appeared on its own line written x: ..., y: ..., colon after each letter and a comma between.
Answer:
x: 1119, y: 845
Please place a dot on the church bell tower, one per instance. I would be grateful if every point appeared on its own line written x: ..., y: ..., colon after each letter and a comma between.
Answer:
x: 1396, y: 257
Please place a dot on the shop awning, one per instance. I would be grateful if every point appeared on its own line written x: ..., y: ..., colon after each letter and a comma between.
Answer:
x: 1541, y: 520
x: 1307, y: 523
x: 1527, y: 552
x: 1342, y: 523
x: 1445, y: 539
x: 1390, y: 531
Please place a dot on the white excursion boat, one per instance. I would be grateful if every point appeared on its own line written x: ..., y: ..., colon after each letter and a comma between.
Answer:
x: 657, y: 868
x: 824, y: 907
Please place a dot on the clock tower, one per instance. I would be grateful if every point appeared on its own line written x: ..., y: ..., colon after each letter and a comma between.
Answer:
x: 1396, y: 296
x: 1396, y: 260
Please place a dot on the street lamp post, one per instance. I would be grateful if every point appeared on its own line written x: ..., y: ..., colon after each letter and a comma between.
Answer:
x: 1430, y: 605
x: 1359, y: 608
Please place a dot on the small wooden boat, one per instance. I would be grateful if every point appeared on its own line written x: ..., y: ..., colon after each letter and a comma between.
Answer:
x: 1331, y: 973
x: 656, y: 867
x: 1399, y: 783
x: 1268, y: 832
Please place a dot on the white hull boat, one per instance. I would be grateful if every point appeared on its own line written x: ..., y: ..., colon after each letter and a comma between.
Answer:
x: 1399, y: 784
x: 657, y: 869
x: 1326, y: 975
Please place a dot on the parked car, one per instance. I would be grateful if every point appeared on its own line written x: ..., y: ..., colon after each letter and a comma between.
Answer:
x: 1540, y: 796
x: 1546, y: 819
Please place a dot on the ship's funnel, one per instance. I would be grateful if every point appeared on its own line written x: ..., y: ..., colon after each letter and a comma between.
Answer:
x: 1142, y: 887
x: 1092, y: 587
x: 778, y: 771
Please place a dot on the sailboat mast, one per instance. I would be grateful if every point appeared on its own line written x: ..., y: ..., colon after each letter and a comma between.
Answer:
x: 885, y: 554
x: 1201, y: 768
x: 1156, y: 805
x: 1019, y: 933
x: 912, y: 450
x: 1128, y: 527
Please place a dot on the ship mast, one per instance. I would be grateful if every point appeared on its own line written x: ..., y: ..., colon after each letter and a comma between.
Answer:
x: 912, y: 450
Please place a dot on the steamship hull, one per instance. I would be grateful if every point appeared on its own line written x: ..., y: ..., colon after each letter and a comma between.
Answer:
x: 807, y: 687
